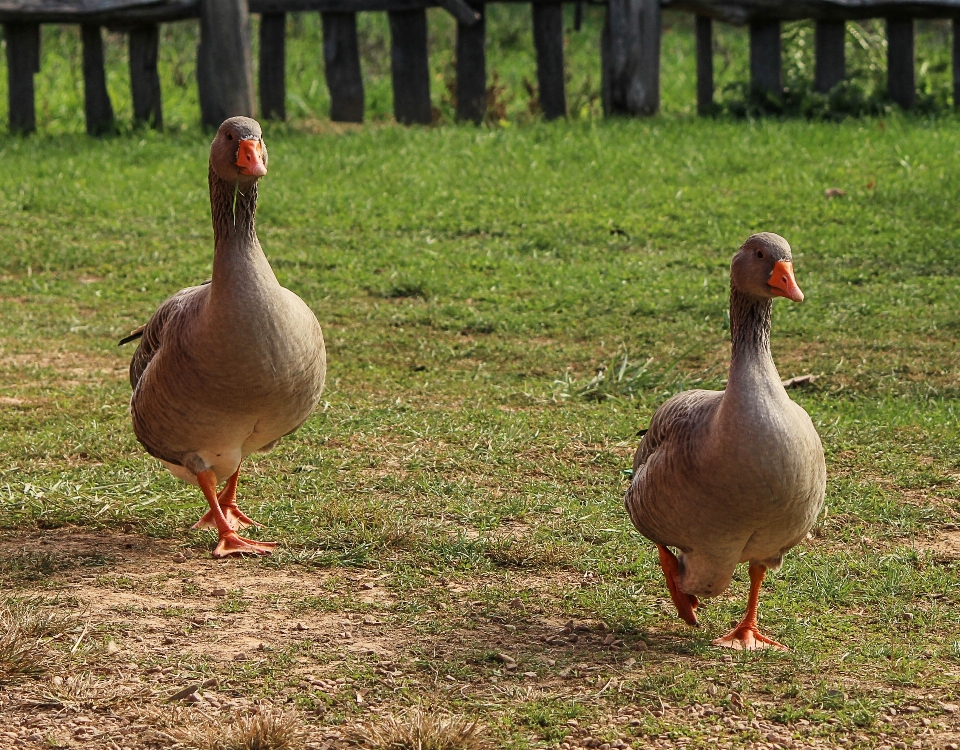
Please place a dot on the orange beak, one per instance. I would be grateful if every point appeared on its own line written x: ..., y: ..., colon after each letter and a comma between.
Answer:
x: 250, y: 159
x: 783, y: 284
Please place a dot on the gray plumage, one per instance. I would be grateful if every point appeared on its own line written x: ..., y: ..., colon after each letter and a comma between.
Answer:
x: 736, y: 475
x: 228, y: 367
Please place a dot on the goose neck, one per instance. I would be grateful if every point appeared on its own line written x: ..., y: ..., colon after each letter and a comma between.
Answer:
x: 750, y: 319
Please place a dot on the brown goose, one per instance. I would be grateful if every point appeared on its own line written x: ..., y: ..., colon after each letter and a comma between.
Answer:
x: 229, y: 367
x: 736, y: 475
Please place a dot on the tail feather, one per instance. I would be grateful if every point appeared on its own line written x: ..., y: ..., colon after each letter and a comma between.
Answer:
x: 133, y: 335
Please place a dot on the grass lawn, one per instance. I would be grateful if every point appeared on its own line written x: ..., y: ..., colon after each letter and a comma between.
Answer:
x: 452, y: 532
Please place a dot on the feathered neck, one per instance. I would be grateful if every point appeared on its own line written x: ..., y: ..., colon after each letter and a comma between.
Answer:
x: 750, y: 326
x: 233, y: 207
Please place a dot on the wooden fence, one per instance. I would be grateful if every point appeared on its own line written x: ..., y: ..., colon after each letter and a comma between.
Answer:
x: 630, y: 52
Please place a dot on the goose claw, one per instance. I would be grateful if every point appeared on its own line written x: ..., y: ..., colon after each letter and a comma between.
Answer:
x: 748, y: 638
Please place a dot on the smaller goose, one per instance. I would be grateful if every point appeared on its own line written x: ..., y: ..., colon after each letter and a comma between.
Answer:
x: 737, y: 475
x: 228, y: 367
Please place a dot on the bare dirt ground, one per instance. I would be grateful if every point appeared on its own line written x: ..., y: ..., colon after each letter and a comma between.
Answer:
x: 161, y: 638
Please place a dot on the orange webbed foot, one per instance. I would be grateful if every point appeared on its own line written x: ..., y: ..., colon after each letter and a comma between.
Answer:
x: 748, y: 638
x: 685, y: 603
x: 232, y: 543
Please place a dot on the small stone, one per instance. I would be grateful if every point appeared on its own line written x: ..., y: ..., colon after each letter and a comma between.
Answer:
x: 951, y: 746
x: 210, y: 682
x: 530, y: 675
x: 506, y: 659
x: 300, y: 626
x: 218, y: 592
x: 366, y: 586
x: 112, y: 648
x: 834, y: 192
x: 188, y: 553
x: 179, y: 557
x: 515, y: 604
x: 608, y: 641
x: 370, y: 620
x: 630, y: 662
x: 573, y: 723
x: 167, y: 640
x: 640, y: 646
x: 240, y: 656
x: 950, y: 708
x: 912, y: 709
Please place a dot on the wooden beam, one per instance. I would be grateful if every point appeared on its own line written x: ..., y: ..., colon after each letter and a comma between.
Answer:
x: 273, y: 60
x: 650, y: 26
x: 765, y: 58
x: 410, y: 67
x: 955, y: 25
x: 23, y: 61
x: 224, y: 70
x: 144, y: 45
x: 704, y: 34
x: 96, y: 102
x: 830, y: 66
x: 901, y: 83
x: 472, y: 69
x: 548, y: 40
x: 341, y: 61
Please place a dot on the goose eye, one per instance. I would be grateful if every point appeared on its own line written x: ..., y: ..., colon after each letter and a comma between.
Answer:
x: 229, y: 136
x: 759, y: 253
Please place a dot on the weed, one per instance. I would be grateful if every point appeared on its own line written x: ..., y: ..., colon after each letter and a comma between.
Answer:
x: 265, y: 728
x: 421, y: 730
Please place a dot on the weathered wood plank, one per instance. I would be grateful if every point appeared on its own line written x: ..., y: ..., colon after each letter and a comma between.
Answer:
x: 224, y: 70
x: 830, y: 63
x: 273, y: 60
x: 745, y: 11
x: 621, y: 88
x: 472, y: 69
x: 765, y: 58
x: 955, y: 25
x: 409, y: 67
x: 650, y: 33
x: 96, y: 102
x: 901, y: 83
x: 23, y: 61
x: 341, y: 60
x: 144, y: 46
x: 548, y: 41
x: 704, y: 34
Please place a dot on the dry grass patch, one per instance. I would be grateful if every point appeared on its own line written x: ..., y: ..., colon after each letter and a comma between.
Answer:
x: 418, y: 730
x: 24, y: 624
x: 267, y: 728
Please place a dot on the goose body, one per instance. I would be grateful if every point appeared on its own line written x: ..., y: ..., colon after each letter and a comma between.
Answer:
x: 229, y: 367
x: 732, y: 476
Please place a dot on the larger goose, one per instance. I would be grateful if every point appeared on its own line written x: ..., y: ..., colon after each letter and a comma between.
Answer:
x: 737, y: 475
x: 229, y: 367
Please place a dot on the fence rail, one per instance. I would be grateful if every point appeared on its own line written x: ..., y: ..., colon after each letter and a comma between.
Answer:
x: 629, y: 49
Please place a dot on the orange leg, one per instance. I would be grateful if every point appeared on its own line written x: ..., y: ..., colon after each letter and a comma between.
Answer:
x: 230, y: 543
x: 685, y: 603
x: 227, y: 500
x: 747, y: 636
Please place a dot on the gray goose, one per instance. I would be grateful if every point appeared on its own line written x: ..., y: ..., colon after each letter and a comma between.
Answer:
x: 229, y: 367
x: 737, y: 475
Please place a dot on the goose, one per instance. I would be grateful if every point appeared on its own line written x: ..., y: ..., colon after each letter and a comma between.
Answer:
x: 737, y: 475
x: 228, y: 367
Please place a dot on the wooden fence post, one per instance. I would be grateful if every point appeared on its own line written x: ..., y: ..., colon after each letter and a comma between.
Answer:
x: 650, y: 26
x: 97, y: 107
x: 621, y: 86
x: 23, y: 61
x: 341, y: 61
x: 901, y: 85
x: 704, y: 32
x: 273, y: 58
x: 224, y: 70
x: 144, y: 46
x: 409, y: 67
x: 548, y: 40
x: 956, y: 61
x: 830, y: 61
x: 765, y: 63
x: 472, y: 68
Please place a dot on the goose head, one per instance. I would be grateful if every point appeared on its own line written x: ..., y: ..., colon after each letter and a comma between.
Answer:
x: 763, y: 268
x: 238, y: 154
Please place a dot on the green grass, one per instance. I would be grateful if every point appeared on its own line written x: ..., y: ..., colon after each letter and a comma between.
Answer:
x: 470, y: 283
